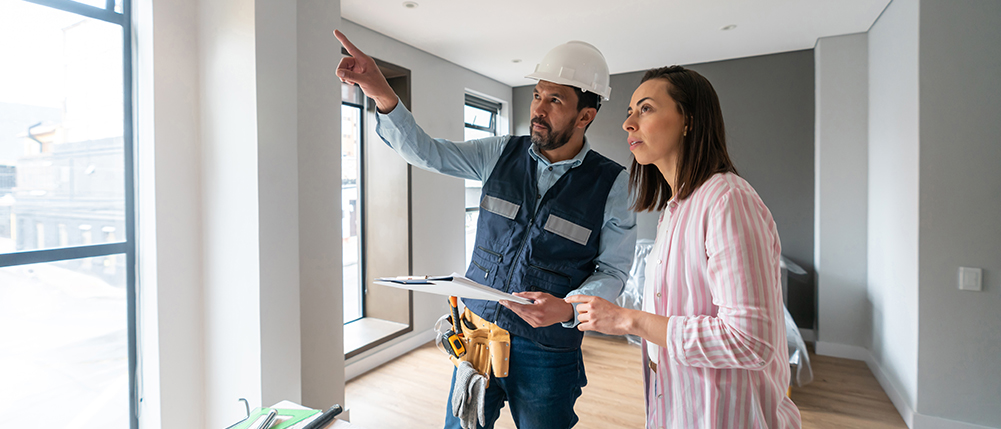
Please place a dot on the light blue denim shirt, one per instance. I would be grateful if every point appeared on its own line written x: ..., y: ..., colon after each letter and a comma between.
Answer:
x: 475, y: 160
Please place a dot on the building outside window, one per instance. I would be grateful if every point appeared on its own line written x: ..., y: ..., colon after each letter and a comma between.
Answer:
x: 481, y: 118
x: 67, y: 248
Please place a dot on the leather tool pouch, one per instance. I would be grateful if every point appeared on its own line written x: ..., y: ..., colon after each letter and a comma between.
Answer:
x: 488, y: 346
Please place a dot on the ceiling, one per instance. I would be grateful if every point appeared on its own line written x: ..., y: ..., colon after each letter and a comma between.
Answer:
x: 505, y: 39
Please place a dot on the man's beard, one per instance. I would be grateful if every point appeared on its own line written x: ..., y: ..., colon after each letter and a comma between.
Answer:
x: 553, y: 140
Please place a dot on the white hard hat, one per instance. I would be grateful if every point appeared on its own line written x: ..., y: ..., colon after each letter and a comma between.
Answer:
x: 578, y: 64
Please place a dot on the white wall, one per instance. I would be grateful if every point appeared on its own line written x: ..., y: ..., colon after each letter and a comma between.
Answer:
x: 319, y: 159
x: 893, y: 199
x: 169, y: 199
x: 959, y: 353
x: 169, y: 196
x: 230, y: 240
x: 840, y: 194
x: 437, y: 98
x: 235, y: 103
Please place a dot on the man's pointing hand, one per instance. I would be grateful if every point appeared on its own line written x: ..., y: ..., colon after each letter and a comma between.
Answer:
x: 360, y: 69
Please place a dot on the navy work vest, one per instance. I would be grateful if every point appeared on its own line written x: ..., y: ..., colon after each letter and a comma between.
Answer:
x: 549, y: 249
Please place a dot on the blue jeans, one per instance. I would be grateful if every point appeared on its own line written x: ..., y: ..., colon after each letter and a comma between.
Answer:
x: 542, y: 385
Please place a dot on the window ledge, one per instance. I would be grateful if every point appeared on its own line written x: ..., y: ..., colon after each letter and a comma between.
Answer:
x: 368, y: 332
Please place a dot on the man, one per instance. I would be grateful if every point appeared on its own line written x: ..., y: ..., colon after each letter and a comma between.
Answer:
x: 554, y: 222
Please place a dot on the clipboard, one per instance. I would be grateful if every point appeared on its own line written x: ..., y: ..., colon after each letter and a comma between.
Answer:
x: 453, y: 285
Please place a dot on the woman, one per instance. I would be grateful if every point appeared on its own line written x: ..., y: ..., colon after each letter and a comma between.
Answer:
x: 712, y: 320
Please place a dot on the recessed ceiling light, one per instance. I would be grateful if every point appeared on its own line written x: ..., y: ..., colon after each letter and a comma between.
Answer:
x: 516, y: 61
x: 728, y: 27
x: 410, y: 4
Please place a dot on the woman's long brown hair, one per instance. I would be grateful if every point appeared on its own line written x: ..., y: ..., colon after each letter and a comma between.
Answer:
x: 703, y: 149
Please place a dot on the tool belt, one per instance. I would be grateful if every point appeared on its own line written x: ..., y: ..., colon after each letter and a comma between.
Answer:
x: 488, y: 346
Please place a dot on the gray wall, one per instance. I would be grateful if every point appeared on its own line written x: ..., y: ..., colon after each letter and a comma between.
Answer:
x: 841, y: 194
x: 959, y: 349
x: 893, y: 198
x: 768, y: 108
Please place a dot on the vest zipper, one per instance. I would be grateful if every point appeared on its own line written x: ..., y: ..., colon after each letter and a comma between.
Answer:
x: 486, y: 272
x: 528, y: 233
x: 500, y: 258
x: 569, y: 279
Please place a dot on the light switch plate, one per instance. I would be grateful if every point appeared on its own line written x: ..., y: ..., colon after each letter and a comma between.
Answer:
x: 971, y: 279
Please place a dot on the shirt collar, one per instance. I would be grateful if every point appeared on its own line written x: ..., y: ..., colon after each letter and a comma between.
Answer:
x: 574, y: 162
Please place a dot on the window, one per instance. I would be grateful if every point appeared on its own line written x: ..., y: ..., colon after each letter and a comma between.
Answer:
x: 352, y: 112
x: 375, y: 192
x: 481, y: 117
x: 67, y: 246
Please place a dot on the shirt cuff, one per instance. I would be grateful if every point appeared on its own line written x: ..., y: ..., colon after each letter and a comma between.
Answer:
x: 574, y: 322
x: 396, y: 112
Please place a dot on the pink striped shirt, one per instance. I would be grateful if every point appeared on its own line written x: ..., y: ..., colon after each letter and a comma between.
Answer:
x: 715, y: 270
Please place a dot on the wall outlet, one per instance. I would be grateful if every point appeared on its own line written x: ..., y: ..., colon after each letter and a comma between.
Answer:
x: 971, y: 279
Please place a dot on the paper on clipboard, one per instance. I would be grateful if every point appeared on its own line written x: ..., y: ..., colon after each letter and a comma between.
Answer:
x: 454, y: 285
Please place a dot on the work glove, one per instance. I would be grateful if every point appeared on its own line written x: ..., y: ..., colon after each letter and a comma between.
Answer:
x: 467, y: 396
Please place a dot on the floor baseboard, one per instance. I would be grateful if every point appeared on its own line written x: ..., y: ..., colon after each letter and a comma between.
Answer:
x: 367, y: 362
x: 913, y: 419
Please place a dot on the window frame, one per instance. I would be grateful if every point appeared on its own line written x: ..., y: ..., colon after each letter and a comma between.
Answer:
x: 363, y: 110
x: 493, y: 107
x: 495, y: 111
x: 128, y: 246
x: 399, y: 80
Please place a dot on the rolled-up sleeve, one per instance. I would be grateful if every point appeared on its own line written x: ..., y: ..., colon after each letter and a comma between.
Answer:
x: 743, y: 256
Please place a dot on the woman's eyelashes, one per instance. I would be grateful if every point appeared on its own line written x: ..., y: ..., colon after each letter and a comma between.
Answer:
x: 642, y: 109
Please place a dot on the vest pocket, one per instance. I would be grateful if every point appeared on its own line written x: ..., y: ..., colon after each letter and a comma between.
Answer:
x: 555, y: 283
x: 498, y: 256
x: 484, y: 270
x: 482, y: 263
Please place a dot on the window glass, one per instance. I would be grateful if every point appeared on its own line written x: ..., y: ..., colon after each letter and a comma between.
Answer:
x: 478, y: 117
x: 62, y: 176
x: 351, y: 140
x: 64, y: 352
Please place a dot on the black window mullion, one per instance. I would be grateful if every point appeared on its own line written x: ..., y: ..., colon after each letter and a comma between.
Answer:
x: 61, y: 254
x: 83, y: 9
x: 131, y: 259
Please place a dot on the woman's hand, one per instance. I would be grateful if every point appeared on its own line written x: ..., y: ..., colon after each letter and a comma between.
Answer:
x: 597, y: 314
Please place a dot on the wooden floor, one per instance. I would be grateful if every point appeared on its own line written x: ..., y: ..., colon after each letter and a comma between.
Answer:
x: 411, y: 391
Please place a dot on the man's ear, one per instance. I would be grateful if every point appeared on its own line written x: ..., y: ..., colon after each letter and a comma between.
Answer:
x: 586, y: 116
